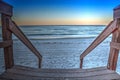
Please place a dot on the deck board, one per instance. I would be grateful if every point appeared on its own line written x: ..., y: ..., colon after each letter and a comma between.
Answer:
x: 57, y: 70
x: 26, y: 73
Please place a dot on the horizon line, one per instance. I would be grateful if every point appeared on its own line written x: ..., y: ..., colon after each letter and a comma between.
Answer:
x: 63, y: 25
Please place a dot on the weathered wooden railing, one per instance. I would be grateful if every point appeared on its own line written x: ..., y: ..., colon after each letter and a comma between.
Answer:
x: 9, y: 27
x: 114, y: 29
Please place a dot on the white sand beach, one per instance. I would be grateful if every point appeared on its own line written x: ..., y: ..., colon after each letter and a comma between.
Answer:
x: 60, y: 53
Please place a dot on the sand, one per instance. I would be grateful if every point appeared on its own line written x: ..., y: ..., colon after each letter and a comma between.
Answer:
x: 60, y: 53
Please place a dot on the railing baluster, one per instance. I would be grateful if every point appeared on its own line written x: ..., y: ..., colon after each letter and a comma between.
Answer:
x: 81, y: 63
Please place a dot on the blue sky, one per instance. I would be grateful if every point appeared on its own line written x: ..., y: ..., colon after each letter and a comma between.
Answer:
x: 63, y: 12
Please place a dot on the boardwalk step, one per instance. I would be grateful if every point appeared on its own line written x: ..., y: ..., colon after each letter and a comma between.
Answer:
x: 26, y: 73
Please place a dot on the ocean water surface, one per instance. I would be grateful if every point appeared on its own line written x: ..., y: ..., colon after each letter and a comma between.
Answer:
x: 68, y: 31
x: 38, y: 32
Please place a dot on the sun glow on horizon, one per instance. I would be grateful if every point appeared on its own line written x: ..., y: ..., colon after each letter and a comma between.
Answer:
x: 63, y: 12
x: 86, y: 18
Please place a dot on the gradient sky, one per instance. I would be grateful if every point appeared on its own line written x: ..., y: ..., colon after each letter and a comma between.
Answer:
x: 63, y: 12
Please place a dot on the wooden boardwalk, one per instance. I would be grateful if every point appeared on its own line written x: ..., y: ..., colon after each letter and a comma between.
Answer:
x: 14, y: 72
x: 26, y: 73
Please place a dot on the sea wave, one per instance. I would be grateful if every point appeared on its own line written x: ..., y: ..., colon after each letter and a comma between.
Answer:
x: 58, y: 32
x: 57, y: 37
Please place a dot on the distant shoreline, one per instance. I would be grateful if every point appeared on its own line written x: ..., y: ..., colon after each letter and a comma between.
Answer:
x: 60, y: 25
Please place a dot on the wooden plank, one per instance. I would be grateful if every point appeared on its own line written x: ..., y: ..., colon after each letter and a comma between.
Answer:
x: 16, y: 30
x: 4, y: 79
x: 35, y: 74
x: 117, y: 12
x: 111, y: 76
x: 7, y: 35
x: 58, y: 70
x: 16, y: 74
x: 102, y: 77
x: 6, y: 8
x: 107, y: 31
x: 115, y: 45
x: 113, y: 57
x: 6, y: 43
x: 19, y: 77
x: 57, y: 74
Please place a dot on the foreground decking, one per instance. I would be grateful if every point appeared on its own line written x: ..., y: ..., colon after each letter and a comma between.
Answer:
x: 26, y: 73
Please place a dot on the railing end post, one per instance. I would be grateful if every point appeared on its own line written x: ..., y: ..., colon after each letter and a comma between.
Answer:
x: 117, y: 12
x: 81, y: 63
x: 39, y: 62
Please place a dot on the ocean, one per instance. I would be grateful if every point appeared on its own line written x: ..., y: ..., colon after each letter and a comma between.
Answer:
x: 46, y: 38
x: 70, y: 31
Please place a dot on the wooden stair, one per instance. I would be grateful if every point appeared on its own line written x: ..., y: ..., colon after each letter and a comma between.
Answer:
x: 27, y: 73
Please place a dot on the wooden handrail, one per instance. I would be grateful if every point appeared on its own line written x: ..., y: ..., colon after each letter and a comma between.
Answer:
x: 9, y: 27
x: 16, y: 30
x: 6, y: 43
x: 106, y: 32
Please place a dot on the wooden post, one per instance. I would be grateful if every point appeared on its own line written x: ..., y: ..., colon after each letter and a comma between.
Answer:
x: 113, y: 56
x: 7, y: 35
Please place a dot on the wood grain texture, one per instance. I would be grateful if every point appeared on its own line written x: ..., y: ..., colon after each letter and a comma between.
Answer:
x: 7, y: 35
x: 58, y: 70
x: 16, y: 30
x: 115, y: 45
x: 117, y: 12
x: 81, y: 63
x: 24, y: 73
x: 113, y: 57
x: 5, y: 8
x: 6, y: 43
